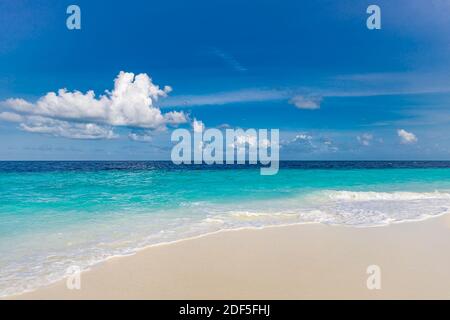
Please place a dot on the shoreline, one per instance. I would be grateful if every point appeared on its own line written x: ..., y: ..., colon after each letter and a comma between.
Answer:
x: 217, y: 241
x: 204, y: 235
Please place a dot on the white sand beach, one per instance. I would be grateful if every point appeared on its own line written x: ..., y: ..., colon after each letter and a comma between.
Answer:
x: 289, y: 262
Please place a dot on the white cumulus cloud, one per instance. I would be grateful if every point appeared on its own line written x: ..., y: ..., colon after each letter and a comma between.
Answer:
x: 308, y: 103
x: 406, y: 137
x: 129, y: 104
x: 198, y: 126
x: 365, y: 139
x: 308, y: 144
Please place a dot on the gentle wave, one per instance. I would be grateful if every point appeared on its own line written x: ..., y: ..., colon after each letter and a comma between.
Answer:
x: 126, y: 236
x: 401, y: 196
x: 340, y: 207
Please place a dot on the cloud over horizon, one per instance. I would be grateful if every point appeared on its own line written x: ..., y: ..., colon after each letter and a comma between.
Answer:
x: 365, y: 139
x: 406, y: 137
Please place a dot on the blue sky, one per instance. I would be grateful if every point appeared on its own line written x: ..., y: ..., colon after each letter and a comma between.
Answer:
x: 312, y: 69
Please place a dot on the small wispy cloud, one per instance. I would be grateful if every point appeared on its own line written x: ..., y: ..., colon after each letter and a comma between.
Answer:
x: 388, y: 83
x: 406, y: 137
x: 229, y: 60
x: 222, y: 98
x: 141, y: 137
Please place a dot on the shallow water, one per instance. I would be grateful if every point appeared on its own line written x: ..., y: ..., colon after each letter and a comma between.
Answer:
x: 54, y: 215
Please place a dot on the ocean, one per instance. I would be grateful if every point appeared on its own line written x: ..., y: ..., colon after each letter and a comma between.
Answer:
x: 55, y: 215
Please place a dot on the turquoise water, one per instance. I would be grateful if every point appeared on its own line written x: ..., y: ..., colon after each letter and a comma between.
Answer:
x: 56, y: 215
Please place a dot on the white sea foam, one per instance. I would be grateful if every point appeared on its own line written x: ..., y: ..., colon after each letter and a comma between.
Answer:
x: 341, y: 207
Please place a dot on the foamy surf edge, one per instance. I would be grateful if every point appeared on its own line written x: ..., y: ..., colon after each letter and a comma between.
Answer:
x: 330, y: 207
